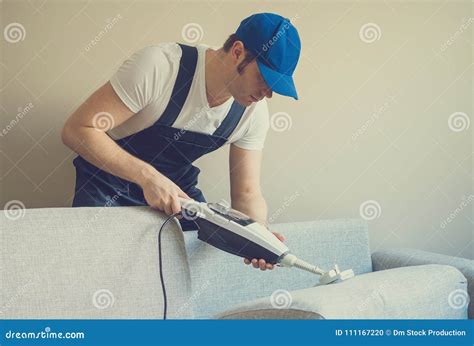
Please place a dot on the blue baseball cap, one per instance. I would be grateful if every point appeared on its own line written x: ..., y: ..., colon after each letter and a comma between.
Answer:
x: 276, y: 45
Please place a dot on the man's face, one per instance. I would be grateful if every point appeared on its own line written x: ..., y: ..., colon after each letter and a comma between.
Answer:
x: 249, y: 86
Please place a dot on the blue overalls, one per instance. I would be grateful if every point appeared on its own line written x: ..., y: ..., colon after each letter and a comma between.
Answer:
x: 170, y: 150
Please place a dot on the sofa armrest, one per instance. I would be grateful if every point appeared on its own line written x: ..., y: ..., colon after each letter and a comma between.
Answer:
x: 403, y: 257
x: 418, y: 292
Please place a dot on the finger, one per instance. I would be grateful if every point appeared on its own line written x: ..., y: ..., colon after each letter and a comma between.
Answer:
x: 269, y: 266
x: 262, y: 264
x: 181, y: 193
x: 246, y: 261
x: 156, y: 207
x: 279, y: 236
x: 255, y: 263
x: 175, y: 205
x: 167, y: 209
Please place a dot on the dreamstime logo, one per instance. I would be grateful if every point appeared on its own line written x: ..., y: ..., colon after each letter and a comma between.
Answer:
x: 21, y: 113
x: 47, y: 334
x: 19, y: 293
x: 463, y: 28
x: 374, y: 295
x: 266, y: 46
x: 103, y: 299
x: 191, y: 210
x: 194, y: 297
x: 192, y: 33
x: 458, y: 299
x: 288, y: 201
x: 281, y: 299
x: 280, y: 121
x: 465, y: 203
x: 199, y: 112
x: 458, y: 121
x: 110, y: 201
x: 378, y: 112
x: 370, y: 210
x: 14, y: 210
x: 14, y: 32
x: 370, y: 32
x: 110, y: 24
x: 103, y: 121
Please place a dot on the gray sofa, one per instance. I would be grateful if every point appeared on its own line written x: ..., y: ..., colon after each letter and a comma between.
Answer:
x: 102, y: 263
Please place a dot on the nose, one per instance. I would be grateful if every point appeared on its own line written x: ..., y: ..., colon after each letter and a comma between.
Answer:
x: 268, y: 93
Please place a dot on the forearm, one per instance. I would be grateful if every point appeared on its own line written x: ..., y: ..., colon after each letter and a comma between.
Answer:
x: 254, y: 205
x: 99, y: 149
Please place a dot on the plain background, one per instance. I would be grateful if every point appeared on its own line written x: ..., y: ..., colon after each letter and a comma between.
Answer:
x: 371, y: 126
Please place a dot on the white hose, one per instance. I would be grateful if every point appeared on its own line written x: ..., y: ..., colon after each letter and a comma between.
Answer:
x: 290, y: 260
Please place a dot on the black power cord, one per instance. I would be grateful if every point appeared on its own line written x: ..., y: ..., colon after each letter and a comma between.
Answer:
x: 165, y: 303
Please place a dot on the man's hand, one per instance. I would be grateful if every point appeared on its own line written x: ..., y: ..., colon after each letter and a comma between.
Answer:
x: 260, y: 263
x: 161, y: 193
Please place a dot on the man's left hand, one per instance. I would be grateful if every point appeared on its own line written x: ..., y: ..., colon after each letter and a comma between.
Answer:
x: 260, y: 263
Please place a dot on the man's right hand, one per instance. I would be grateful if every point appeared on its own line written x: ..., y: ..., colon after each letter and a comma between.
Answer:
x: 162, y: 193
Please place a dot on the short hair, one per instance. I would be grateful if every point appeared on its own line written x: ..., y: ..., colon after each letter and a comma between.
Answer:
x: 249, y: 56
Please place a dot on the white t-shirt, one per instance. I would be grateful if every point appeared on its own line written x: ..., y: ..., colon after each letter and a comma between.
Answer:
x: 144, y: 83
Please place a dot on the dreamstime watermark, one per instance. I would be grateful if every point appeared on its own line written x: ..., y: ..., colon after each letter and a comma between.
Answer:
x: 453, y: 37
x: 199, y: 112
x: 281, y: 299
x: 14, y: 32
x: 287, y: 202
x: 370, y: 32
x: 103, y: 121
x: 192, y: 33
x: 370, y: 210
x: 110, y: 201
x: 266, y: 46
x: 103, y: 299
x: 280, y: 122
x: 463, y: 205
x: 374, y: 295
x: 14, y: 210
x: 13, y: 299
x: 458, y: 299
x: 21, y: 113
x: 107, y: 28
x: 458, y: 121
x: 188, y: 306
x: 44, y: 334
x: 378, y: 112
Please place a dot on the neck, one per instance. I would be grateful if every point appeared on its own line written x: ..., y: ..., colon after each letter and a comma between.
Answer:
x: 216, y: 89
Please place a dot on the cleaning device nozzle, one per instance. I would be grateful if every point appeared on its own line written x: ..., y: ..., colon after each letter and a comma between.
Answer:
x: 333, y: 275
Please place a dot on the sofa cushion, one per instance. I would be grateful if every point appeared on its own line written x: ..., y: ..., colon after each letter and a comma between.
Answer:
x: 402, y: 257
x: 91, y: 263
x: 221, y: 280
x: 418, y: 292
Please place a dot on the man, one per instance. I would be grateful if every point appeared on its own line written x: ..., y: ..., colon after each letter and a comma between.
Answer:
x: 168, y: 105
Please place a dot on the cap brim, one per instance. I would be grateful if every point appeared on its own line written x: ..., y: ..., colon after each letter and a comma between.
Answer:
x: 280, y: 83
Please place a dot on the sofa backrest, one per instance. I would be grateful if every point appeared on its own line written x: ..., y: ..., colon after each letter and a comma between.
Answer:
x: 220, y: 280
x: 91, y: 263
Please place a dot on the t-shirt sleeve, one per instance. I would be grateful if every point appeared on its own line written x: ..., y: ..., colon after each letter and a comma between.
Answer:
x: 135, y: 81
x: 254, y: 137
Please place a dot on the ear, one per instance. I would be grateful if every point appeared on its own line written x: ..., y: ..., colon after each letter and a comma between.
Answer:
x: 237, y: 52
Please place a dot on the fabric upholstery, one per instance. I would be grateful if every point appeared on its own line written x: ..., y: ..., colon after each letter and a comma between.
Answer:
x: 401, y: 293
x: 91, y: 263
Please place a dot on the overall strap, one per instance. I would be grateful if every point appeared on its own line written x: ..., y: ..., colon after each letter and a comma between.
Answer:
x: 231, y: 120
x: 187, y: 67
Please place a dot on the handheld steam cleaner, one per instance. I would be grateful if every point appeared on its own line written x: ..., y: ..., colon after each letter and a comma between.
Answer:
x: 236, y: 233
